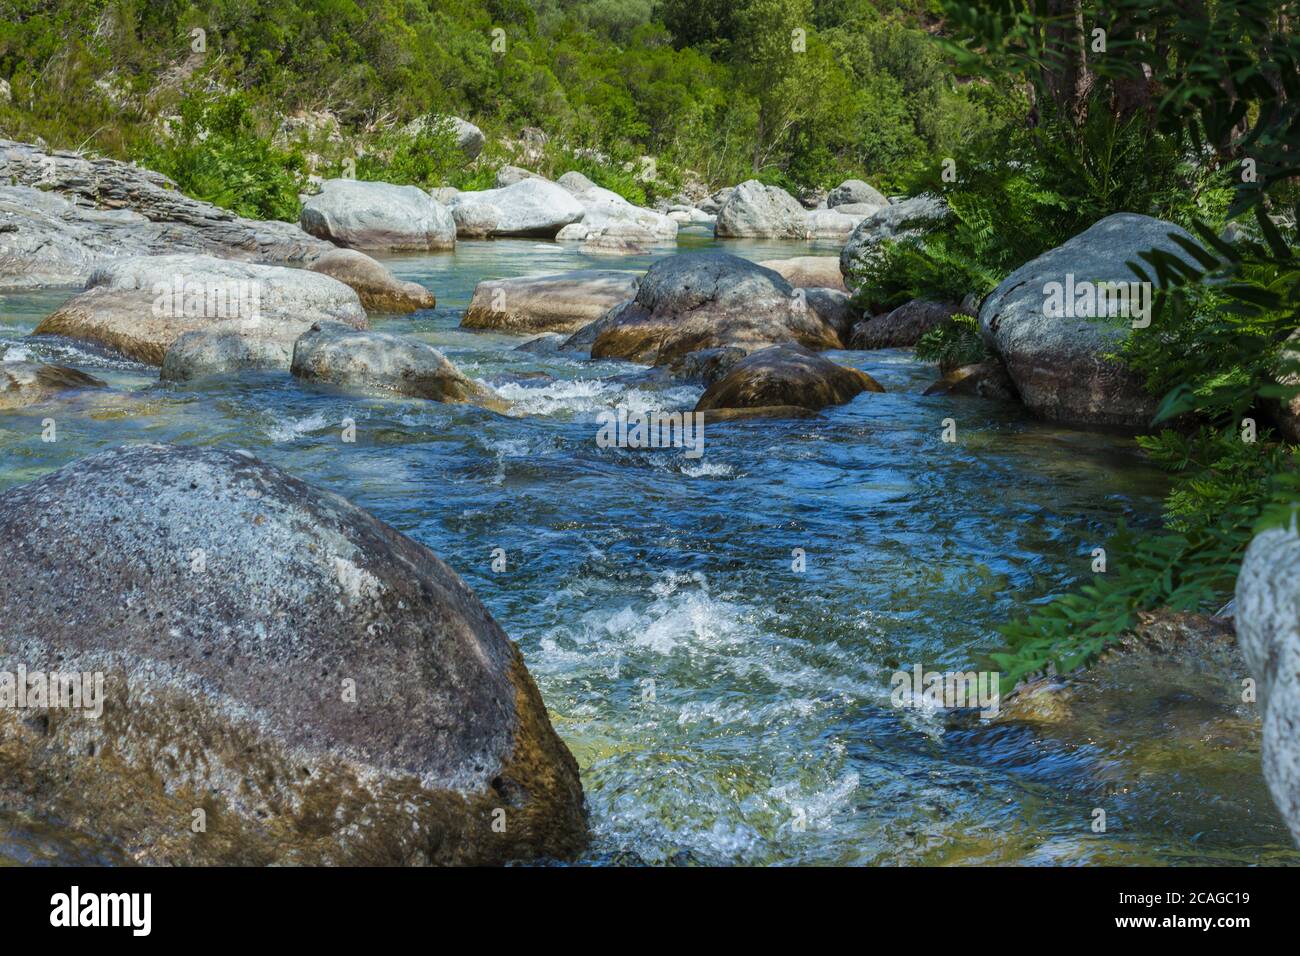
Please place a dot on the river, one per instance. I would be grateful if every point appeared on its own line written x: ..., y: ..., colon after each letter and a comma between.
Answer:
x: 724, y: 706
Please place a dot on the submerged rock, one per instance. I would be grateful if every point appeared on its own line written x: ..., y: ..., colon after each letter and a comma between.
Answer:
x: 1060, y: 362
x: 62, y: 215
x: 755, y: 210
x: 706, y: 300
x: 323, y: 689
x: 786, y: 375
x: 379, y: 289
x: 139, y: 307
x: 28, y: 383
x: 903, y: 327
x: 983, y: 380
x: 564, y: 302
x: 370, y: 215
x: 339, y: 355
x: 1268, y: 622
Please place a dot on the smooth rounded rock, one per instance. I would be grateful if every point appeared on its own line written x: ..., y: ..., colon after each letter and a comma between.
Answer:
x: 755, y: 210
x: 853, y: 191
x: 379, y: 289
x: 706, y: 300
x: 786, y: 375
x: 378, y: 361
x: 140, y: 306
x: 323, y: 688
x: 1060, y: 362
x: 897, y: 222
x: 373, y: 215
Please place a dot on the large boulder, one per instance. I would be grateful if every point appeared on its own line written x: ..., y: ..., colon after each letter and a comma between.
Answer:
x: 230, y: 346
x: 529, y: 207
x: 834, y: 308
x: 783, y: 376
x: 277, y: 664
x: 377, y: 361
x: 551, y: 303
x: 754, y: 210
x: 809, y: 272
x: 62, y: 215
x: 25, y: 383
x: 830, y: 224
x: 139, y: 307
x: 1268, y: 628
x: 902, y: 327
x: 368, y: 215
x: 897, y: 222
x: 378, y: 289
x: 1060, y: 363
x: 610, y: 220
x: 854, y: 191
x: 707, y: 300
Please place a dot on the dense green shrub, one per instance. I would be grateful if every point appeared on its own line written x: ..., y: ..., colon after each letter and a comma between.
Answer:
x: 953, y: 344
x: 215, y: 154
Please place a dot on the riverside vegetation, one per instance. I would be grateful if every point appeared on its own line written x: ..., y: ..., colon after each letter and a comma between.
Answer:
x: 1018, y: 140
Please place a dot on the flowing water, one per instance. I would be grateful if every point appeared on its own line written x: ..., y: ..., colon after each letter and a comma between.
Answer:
x: 724, y: 706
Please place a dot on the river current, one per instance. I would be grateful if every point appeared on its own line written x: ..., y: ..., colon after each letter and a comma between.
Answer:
x: 727, y: 701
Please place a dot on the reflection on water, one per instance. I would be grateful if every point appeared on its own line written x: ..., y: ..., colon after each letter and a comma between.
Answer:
x: 724, y: 707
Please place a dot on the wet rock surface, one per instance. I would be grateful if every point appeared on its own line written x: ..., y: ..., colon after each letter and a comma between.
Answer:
x: 706, y: 300
x: 786, y: 375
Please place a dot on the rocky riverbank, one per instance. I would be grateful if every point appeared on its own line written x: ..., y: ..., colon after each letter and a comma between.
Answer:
x: 446, y: 737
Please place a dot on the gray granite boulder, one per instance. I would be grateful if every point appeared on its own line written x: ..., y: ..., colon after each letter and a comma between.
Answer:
x: 706, y: 300
x: 529, y: 207
x: 897, y: 222
x: 381, y: 216
x: 1268, y: 629
x: 277, y: 665
x: 378, y: 361
x: 853, y: 191
x: 754, y: 210
x: 1060, y: 362
x: 140, y: 306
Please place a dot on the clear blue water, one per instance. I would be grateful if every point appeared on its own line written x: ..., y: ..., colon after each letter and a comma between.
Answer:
x: 630, y: 571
